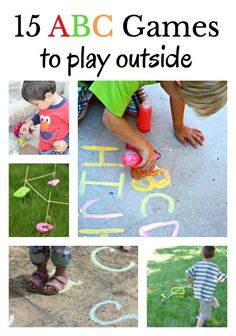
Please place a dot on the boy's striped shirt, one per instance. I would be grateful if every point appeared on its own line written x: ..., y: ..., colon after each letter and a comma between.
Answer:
x: 205, y: 274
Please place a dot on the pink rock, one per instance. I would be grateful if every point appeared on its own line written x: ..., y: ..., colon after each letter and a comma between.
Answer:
x: 44, y: 227
x: 54, y: 182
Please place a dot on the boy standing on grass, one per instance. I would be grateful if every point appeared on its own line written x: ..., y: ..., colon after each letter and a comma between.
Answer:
x: 118, y: 97
x: 53, y: 116
x: 203, y: 277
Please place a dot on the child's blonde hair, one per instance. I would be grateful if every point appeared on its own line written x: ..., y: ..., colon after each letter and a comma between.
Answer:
x: 205, y: 97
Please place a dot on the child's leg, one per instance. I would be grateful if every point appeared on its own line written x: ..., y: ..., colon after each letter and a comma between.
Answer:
x: 138, y: 97
x: 84, y: 96
x: 204, y: 312
x: 39, y: 256
x: 61, y: 258
x: 200, y: 322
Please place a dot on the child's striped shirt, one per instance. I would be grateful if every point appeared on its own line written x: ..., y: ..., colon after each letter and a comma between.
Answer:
x: 205, y: 274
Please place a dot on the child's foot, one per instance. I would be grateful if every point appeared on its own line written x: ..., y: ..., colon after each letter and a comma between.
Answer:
x: 36, y: 280
x: 204, y: 324
x: 54, y: 285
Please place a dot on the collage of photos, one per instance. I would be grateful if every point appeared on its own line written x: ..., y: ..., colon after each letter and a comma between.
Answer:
x: 151, y: 167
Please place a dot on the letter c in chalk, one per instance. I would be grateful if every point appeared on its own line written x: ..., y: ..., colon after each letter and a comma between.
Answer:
x: 169, y: 199
x: 92, y: 313
x: 106, y: 268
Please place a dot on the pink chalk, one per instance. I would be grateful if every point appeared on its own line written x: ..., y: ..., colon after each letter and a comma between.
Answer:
x: 44, y: 227
x: 143, y: 230
x: 96, y: 216
x: 131, y: 158
x: 132, y: 148
x: 54, y: 182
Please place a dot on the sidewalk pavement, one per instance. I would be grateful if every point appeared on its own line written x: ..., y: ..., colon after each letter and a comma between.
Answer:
x: 110, y: 204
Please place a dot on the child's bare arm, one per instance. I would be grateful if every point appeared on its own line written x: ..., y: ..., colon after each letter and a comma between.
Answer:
x: 184, y: 133
x: 122, y: 129
x: 189, y: 279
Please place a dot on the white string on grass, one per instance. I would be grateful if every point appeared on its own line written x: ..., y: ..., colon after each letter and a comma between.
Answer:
x: 38, y: 193
x: 39, y: 177
x: 49, y: 199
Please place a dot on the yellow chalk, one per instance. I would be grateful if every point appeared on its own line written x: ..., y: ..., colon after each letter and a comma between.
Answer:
x: 101, y: 150
x: 169, y: 199
x: 152, y: 183
x: 101, y: 231
x: 84, y: 183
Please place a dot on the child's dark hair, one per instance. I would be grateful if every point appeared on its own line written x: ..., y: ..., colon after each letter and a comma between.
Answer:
x: 208, y: 251
x: 36, y: 90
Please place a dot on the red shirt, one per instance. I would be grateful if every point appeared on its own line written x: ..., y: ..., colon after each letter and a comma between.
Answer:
x: 54, y: 124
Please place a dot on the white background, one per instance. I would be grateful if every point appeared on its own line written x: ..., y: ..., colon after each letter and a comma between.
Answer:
x: 212, y: 59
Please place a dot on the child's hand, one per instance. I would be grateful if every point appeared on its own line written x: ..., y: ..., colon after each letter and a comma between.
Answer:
x: 60, y: 146
x: 149, y: 161
x: 186, y: 134
x: 25, y: 127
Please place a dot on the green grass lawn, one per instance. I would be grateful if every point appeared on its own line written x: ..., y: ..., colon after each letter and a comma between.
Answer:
x: 166, y: 269
x: 25, y: 213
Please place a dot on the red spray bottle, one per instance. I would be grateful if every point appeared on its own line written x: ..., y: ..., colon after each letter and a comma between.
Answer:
x: 145, y: 117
